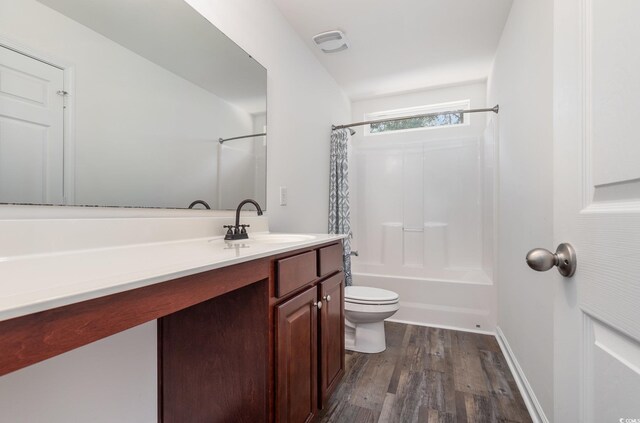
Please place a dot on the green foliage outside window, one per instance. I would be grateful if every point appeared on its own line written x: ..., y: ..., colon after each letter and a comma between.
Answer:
x: 444, y: 119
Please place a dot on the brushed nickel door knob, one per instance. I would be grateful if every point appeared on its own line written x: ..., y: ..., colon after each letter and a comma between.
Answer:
x: 327, y: 298
x: 564, y: 259
x: 318, y: 304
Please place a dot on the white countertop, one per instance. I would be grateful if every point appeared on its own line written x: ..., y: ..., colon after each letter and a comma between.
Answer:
x: 38, y: 282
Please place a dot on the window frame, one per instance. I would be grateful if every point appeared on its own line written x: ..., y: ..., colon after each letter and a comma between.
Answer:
x: 418, y: 110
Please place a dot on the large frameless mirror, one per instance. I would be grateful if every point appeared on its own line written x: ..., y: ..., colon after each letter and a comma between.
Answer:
x: 131, y: 103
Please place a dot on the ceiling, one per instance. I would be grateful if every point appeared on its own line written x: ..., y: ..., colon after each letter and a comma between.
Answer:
x: 402, y: 45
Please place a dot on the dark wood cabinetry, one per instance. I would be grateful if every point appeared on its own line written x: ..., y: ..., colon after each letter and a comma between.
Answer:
x: 295, y: 272
x: 297, y: 358
x: 309, y: 335
x: 331, y: 336
x: 213, y: 359
x: 259, y: 341
x: 330, y: 259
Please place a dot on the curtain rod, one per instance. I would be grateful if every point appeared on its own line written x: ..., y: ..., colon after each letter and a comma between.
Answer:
x: 223, y: 140
x: 494, y: 109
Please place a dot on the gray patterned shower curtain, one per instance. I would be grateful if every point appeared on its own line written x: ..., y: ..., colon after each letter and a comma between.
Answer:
x: 339, y: 211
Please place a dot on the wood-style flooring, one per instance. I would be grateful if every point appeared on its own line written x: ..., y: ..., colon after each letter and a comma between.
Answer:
x: 428, y: 375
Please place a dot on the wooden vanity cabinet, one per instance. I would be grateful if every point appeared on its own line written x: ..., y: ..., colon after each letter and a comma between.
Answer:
x: 213, y: 357
x: 309, y: 334
x: 331, y: 337
x: 244, y: 343
x: 297, y: 358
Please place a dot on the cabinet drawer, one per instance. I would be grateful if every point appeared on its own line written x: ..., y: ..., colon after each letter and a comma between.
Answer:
x: 330, y: 259
x: 295, y: 272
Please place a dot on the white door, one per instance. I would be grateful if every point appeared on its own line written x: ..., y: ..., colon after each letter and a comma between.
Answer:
x: 31, y: 130
x: 597, y: 209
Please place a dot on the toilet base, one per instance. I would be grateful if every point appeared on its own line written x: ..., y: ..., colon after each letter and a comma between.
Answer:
x: 365, y: 337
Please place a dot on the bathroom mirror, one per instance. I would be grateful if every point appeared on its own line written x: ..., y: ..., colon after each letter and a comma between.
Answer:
x: 123, y: 103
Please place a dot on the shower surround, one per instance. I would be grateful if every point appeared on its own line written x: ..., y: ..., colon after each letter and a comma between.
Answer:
x: 422, y: 212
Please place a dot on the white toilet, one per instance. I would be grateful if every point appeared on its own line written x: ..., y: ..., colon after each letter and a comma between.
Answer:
x: 365, y: 309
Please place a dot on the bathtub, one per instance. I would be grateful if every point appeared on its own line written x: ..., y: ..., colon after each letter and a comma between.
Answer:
x: 461, y: 299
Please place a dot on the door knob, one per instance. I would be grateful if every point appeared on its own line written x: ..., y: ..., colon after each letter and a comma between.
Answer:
x: 318, y: 304
x: 564, y: 259
x: 327, y: 298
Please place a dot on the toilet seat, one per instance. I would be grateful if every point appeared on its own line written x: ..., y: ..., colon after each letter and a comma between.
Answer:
x: 371, y: 308
x: 352, y: 301
x: 369, y: 296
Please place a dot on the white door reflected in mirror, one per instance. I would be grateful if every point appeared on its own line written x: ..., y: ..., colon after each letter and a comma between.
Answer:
x: 31, y: 130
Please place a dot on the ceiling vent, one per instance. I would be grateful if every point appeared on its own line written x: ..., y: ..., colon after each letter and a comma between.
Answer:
x: 331, y: 41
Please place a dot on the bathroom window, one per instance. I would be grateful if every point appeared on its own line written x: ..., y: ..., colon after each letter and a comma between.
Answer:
x: 418, y: 123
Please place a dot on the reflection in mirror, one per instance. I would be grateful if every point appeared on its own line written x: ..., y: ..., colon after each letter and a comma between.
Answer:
x: 123, y: 103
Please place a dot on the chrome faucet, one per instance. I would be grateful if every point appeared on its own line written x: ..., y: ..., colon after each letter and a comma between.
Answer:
x: 239, y: 231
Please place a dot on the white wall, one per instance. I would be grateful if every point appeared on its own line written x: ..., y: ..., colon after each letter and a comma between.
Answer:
x: 431, y: 180
x: 129, y: 151
x: 521, y: 82
x: 111, y: 380
x: 303, y: 102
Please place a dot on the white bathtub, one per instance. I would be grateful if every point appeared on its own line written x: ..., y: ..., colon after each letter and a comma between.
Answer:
x: 466, y: 302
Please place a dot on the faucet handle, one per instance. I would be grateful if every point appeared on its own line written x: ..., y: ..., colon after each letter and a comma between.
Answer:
x: 229, y: 229
x: 244, y: 228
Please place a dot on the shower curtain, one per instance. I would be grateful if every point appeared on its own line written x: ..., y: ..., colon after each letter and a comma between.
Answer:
x: 339, y: 212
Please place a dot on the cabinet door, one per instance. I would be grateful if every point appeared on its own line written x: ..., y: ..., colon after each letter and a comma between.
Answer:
x: 296, y: 358
x: 331, y: 335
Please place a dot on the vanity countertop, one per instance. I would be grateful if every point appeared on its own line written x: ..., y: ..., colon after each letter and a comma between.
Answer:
x: 38, y: 282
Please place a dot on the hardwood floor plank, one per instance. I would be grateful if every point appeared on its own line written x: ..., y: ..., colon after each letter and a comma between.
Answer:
x: 395, y: 333
x: 489, y: 343
x: 468, y: 374
x: 497, y: 374
x: 439, y: 346
x: 502, y: 395
x: 412, y: 391
x: 372, y: 387
x: 346, y: 412
x: 387, y: 406
x: 461, y: 407
x: 406, y: 336
x: 435, y: 416
x: 428, y: 375
x: 479, y: 409
x: 518, y: 398
x: 441, y: 394
x: 449, y: 393
x: 416, y: 350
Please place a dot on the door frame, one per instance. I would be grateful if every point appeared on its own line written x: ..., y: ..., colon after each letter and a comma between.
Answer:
x: 68, y: 120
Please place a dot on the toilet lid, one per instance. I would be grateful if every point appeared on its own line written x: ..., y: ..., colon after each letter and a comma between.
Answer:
x: 368, y: 295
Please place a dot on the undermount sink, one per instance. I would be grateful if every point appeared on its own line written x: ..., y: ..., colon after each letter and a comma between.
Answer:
x: 279, y: 238
x: 266, y: 238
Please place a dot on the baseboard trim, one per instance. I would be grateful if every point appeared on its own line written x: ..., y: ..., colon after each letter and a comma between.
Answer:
x: 529, y: 397
x: 433, y: 325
